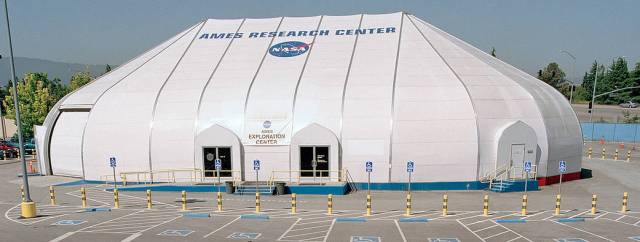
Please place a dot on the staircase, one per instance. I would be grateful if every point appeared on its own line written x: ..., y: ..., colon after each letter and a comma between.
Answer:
x: 249, y: 188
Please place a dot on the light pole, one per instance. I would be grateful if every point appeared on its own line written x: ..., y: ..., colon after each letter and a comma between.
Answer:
x: 28, y: 207
x: 593, y: 104
x: 573, y: 74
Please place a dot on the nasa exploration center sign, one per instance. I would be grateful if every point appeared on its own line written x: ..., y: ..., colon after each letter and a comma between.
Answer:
x: 296, y: 48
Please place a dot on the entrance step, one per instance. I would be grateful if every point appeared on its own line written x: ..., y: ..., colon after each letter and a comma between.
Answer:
x: 514, y: 185
x: 251, y: 190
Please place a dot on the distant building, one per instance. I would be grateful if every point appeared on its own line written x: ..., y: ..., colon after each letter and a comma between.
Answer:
x: 329, y: 91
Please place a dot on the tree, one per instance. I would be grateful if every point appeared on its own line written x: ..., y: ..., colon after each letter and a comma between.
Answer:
x: 493, y: 52
x: 618, y: 77
x: 79, y: 79
x: 635, y: 77
x: 35, y: 98
x: 107, y: 69
x: 555, y: 77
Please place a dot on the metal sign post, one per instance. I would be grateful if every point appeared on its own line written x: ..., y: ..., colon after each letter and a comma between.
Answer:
x: 314, y: 164
x: 218, y: 164
x: 527, y: 169
x: 410, y: 166
x: 369, y: 169
x: 256, y: 167
x: 112, y: 163
x: 562, y: 168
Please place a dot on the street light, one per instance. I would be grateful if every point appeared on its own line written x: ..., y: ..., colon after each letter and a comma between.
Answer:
x: 28, y: 206
x: 573, y: 73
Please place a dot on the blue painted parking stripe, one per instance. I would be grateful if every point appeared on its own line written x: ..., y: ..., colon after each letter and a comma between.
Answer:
x: 410, y: 220
x: 350, y: 219
x: 97, y: 210
x: 196, y: 215
x: 254, y: 216
x: 568, y: 220
x: 510, y: 221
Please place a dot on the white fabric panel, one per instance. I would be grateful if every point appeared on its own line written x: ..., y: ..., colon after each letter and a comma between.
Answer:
x: 66, y: 144
x: 39, y: 134
x: 367, y: 107
x: 319, y: 98
x: 272, y: 158
x: 224, y: 98
x: 119, y: 124
x: 562, y: 128
x: 510, y: 102
x: 271, y: 96
x: 90, y: 93
x: 172, y: 137
x: 433, y: 117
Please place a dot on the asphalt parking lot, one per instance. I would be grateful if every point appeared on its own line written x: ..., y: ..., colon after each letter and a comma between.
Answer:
x: 68, y: 221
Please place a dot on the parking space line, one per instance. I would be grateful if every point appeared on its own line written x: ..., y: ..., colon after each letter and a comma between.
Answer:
x: 61, y: 237
x: 516, y: 233
x: 298, y: 235
x: 329, y: 231
x: 604, y: 213
x: 485, y: 228
x: 221, y: 227
x: 462, y: 224
x: 579, y: 214
x: 131, y: 237
x: 581, y: 230
x: 289, y: 229
x: 404, y: 238
x: 312, y: 227
x: 494, y: 235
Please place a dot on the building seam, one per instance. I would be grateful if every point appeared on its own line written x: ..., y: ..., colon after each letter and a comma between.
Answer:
x: 206, y: 85
x: 84, y: 129
x: 295, y: 93
x: 155, y: 103
x: 344, y: 92
x: 393, y: 96
x: 255, y: 75
x: 475, y: 112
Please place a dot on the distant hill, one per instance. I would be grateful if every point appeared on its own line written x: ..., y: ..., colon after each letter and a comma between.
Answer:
x: 54, y: 69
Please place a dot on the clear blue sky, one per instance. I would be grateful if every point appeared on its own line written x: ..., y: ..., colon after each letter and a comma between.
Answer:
x: 527, y: 34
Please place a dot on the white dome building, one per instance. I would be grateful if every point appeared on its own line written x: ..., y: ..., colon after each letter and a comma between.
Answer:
x: 341, y: 90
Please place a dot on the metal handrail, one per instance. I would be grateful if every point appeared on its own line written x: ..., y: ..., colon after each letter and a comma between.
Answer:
x: 236, y: 176
x: 156, y: 176
x: 295, y: 176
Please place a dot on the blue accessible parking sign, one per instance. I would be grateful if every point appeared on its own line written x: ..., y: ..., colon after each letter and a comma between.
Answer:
x: 256, y: 165
x: 369, y: 166
x: 562, y: 166
x: 218, y: 164
x: 410, y: 166
x: 527, y: 166
x: 112, y: 162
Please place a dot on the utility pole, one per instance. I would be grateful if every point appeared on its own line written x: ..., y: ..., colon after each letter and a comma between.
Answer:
x: 28, y: 206
x: 593, y: 103
x: 573, y: 74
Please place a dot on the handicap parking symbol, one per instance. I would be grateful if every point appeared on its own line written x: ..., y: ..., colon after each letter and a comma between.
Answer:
x: 69, y: 222
x: 444, y: 240
x: 240, y: 235
x: 176, y: 232
x: 365, y: 239
x: 570, y: 240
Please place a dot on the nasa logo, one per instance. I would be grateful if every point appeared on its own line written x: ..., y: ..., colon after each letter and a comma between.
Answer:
x: 266, y: 124
x: 289, y: 49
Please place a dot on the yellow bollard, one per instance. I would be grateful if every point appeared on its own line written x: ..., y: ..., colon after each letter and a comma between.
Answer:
x: 524, y: 205
x: 628, y: 155
x: 184, y: 200
x: 293, y: 203
x: 24, y: 199
x: 603, y: 153
x: 594, y: 201
x: 445, y: 200
x: 149, y: 202
x: 485, y: 207
x: 615, y: 155
x: 257, y: 202
x: 590, y: 152
x: 52, y: 195
x: 558, y: 199
x: 330, y: 204
x: 219, y: 200
x: 83, y: 196
x: 368, y: 205
x: 116, y: 199
x: 625, y: 202
x: 408, y: 209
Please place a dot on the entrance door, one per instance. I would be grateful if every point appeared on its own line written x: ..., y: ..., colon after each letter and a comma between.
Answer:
x: 517, y: 158
x: 213, y: 153
x: 314, y: 155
